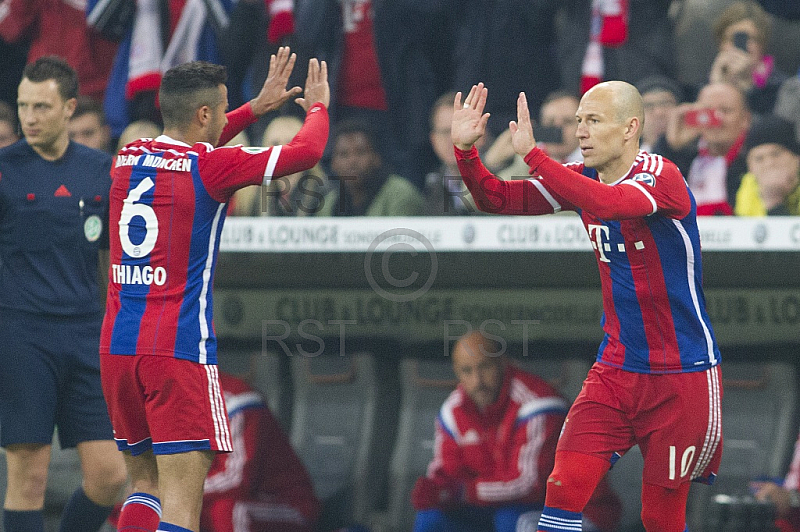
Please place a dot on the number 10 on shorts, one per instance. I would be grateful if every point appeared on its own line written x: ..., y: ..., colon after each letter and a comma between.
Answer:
x: 686, y: 461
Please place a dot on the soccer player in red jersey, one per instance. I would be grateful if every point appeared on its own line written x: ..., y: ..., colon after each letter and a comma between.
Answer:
x: 656, y: 381
x: 157, y: 348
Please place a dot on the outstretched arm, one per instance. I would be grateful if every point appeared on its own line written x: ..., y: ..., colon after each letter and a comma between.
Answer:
x: 491, y: 194
x: 630, y: 199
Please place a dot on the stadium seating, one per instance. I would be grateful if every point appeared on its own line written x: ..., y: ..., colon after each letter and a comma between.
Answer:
x: 425, y: 385
x: 626, y: 479
x: 566, y: 374
x: 344, y: 416
x: 268, y: 372
x: 759, y: 429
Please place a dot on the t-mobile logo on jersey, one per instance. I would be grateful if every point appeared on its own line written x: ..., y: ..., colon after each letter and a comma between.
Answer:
x: 599, y: 233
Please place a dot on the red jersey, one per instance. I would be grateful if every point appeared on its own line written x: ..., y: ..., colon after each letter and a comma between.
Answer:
x: 167, y: 209
x: 262, y: 484
x: 359, y: 83
x: 643, y: 229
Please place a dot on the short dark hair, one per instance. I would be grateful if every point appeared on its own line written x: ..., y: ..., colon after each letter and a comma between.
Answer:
x: 89, y: 106
x: 187, y: 87
x: 658, y: 82
x: 7, y: 114
x: 352, y: 126
x: 57, y: 69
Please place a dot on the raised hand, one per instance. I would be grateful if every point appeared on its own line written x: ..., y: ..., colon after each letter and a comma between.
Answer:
x: 273, y: 93
x: 469, y: 120
x: 317, y: 88
x: 522, y: 130
x: 678, y: 134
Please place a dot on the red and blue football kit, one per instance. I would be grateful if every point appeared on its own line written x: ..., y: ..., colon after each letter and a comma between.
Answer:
x: 168, y: 205
x: 644, y: 232
x: 167, y: 208
x: 659, y: 354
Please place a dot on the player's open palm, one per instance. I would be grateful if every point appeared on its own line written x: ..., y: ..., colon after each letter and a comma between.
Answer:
x: 469, y: 120
x: 317, y: 88
x: 522, y: 130
x: 273, y: 93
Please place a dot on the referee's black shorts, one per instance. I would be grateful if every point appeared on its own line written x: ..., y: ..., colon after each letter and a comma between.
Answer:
x: 50, y: 377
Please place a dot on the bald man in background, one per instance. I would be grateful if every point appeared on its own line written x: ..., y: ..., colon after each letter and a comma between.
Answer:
x: 496, y: 439
x: 656, y: 381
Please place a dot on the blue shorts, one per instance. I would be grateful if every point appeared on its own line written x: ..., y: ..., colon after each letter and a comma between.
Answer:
x: 50, y: 377
x: 508, y: 518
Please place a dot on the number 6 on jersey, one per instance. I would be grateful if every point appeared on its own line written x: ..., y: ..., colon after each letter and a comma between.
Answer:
x: 130, y: 209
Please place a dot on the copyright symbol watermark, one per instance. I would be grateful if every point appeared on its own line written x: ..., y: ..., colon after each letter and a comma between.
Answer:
x: 401, y: 288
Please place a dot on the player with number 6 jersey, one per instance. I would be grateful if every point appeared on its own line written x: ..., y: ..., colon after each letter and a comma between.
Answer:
x: 168, y: 202
x: 168, y: 206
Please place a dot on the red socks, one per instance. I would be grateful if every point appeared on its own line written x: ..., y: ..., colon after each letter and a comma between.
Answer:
x: 573, y: 480
x: 664, y: 509
x: 140, y: 512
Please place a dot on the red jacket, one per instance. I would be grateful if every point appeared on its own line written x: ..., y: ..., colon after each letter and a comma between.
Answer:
x: 262, y: 482
x: 58, y: 27
x: 504, y: 454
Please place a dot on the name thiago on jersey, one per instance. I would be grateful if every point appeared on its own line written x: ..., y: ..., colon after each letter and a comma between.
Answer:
x: 128, y: 274
x: 154, y: 161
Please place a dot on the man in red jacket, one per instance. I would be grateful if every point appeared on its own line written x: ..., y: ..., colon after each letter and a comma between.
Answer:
x: 496, y: 438
x: 262, y: 486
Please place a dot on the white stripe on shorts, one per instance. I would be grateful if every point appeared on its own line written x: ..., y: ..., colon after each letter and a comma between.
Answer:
x: 714, y: 430
x: 221, y: 429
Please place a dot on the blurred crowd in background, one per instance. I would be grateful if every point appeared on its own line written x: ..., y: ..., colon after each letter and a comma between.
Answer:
x: 719, y: 80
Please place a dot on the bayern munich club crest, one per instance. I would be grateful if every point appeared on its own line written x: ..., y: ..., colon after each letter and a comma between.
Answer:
x: 646, y: 178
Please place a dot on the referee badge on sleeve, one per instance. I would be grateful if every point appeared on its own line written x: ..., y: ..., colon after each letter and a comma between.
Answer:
x: 92, y: 228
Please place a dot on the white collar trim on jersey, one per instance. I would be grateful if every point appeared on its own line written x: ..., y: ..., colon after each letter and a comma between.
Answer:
x: 636, y: 161
x: 169, y: 140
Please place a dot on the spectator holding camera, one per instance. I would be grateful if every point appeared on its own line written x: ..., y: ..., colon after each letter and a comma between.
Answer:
x: 742, y: 33
x: 495, y: 446
x: 557, y: 115
x: 705, y: 140
x: 770, y: 187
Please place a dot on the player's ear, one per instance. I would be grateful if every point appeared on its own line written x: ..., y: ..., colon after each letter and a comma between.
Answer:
x: 69, y: 107
x: 633, y: 127
x: 203, y: 115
